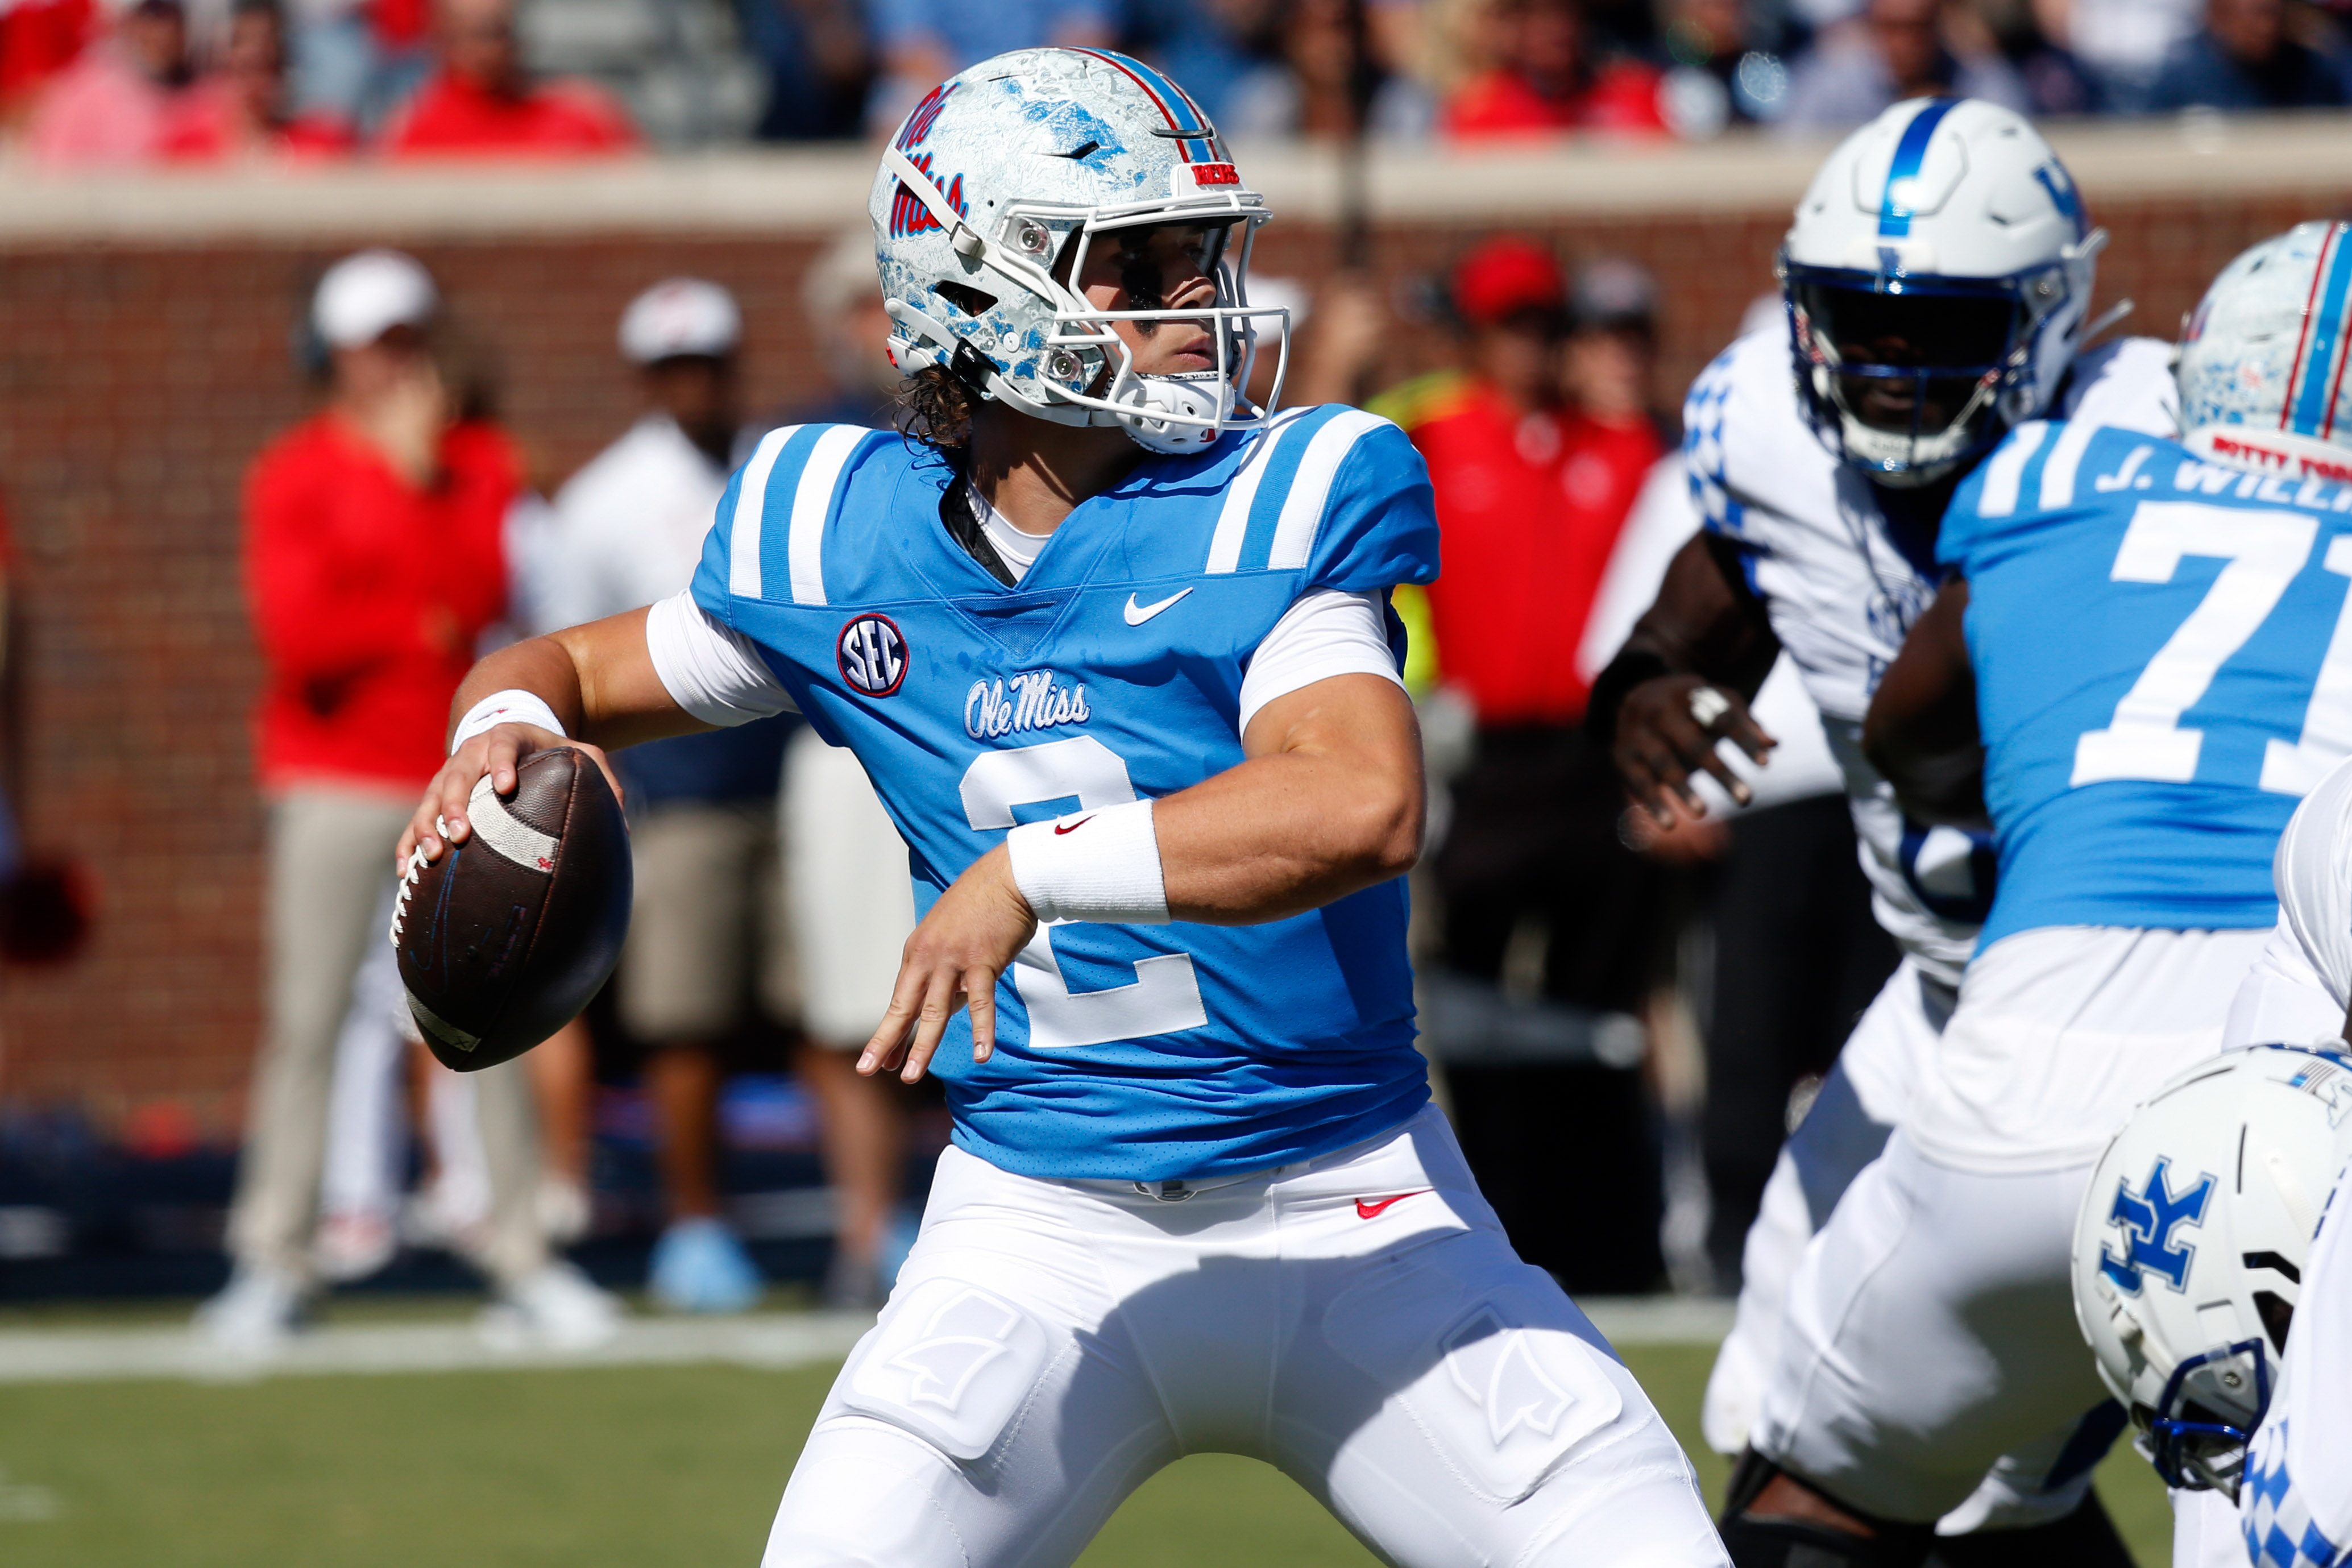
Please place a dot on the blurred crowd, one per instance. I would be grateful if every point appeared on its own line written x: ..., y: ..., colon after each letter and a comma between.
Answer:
x: 1606, y: 1007
x: 127, y: 83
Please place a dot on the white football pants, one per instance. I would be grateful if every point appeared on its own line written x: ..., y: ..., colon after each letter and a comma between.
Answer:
x: 1358, y: 1321
x: 1862, y: 1099
x: 1930, y: 1329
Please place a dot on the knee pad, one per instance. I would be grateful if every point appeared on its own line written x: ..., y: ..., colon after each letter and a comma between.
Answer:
x: 2085, y: 1538
x: 1776, y: 1543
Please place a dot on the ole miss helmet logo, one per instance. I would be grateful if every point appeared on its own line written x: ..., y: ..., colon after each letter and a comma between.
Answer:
x: 872, y: 655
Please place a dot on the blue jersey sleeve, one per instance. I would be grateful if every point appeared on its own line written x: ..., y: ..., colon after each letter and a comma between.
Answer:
x: 1379, y: 525
x: 710, y: 585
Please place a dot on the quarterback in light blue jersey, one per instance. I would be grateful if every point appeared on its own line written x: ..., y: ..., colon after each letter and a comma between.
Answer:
x: 2147, y: 641
x: 1117, y: 651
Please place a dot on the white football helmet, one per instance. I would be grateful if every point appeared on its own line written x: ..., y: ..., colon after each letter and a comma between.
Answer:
x: 2262, y: 357
x: 988, y: 198
x: 2189, y: 1244
x: 1946, y: 237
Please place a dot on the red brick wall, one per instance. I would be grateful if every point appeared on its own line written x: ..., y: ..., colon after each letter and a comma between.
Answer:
x: 136, y: 384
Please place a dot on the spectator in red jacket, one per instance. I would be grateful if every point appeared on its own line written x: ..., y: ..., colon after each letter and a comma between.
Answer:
x: 1540, y: 899
x: 481, y: 102
x: 1541, y: 78
x: 375, y: 560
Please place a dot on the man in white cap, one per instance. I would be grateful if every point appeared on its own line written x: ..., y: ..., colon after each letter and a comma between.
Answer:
x: 375, y: 560
x: 706, y: 942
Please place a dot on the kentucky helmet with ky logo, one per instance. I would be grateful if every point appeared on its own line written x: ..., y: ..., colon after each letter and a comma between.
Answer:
x: 989, y: 198
x: 2190, y: 1246
x: 2262, y: 374
x: 1937, y: 279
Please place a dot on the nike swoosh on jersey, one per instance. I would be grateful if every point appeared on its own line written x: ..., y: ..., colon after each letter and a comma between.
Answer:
x: 1138, y: 613
x: 1374, y: 1210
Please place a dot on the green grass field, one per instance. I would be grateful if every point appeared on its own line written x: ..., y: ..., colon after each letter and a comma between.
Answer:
x: 642, y: 1467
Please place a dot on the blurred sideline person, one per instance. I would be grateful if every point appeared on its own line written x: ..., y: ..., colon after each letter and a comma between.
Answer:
x: 1795, y: 953
x: 706, y: 936
x: 1539, y: 893
x: 849, y: 903
x: 374, y: 559
x: 482, y: 102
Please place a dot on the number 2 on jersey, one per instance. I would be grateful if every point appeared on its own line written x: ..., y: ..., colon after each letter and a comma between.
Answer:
x: 1166, y: 995
x: 2265, y: 551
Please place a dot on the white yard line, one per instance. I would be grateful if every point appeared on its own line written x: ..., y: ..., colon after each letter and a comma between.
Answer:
x: 767, y: 1340
x: 771, y: 1340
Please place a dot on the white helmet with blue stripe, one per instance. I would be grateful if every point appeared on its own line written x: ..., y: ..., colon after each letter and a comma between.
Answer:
x: 2263, y: 357
x: 2190, y: 1246
x: 988, y: 198
x: 1936, y: 280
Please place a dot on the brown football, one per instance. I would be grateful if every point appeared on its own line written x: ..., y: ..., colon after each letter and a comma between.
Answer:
x: 506, y: 938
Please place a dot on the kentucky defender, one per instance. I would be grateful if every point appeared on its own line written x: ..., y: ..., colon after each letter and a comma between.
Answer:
x: 1938, y: 280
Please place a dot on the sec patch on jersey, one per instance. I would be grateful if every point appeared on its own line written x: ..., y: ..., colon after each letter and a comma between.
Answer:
x: 506, y: 938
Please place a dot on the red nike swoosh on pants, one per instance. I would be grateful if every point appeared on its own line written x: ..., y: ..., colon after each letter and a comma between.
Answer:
x: 1374, y: 1210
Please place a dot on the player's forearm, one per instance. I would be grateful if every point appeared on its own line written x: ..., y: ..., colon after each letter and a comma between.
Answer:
x: 1705, y: 621
x: 598, y: 678
x: 1286, y: 833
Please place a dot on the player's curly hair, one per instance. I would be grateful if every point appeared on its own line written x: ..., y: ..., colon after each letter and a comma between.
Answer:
x: 935, y: 408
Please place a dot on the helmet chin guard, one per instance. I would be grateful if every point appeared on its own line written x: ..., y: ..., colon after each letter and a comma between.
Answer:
x: 991, y: 194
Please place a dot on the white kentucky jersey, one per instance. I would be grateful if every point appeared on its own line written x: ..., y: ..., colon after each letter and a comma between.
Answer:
x: 1112, y: 670
x: 2294, y: 1502
x: 1842, y: 585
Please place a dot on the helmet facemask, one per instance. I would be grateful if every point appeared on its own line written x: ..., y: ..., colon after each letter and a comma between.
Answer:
x: 2198, y: 1430
x: 1072, y: 367
x: 1913, y: 376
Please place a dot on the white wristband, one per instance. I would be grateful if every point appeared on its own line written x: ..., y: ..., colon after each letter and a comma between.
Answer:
x: 1100, y: 865
x: 512, y: 706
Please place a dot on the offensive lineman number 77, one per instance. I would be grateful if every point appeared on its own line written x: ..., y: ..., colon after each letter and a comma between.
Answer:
x: 2265, y: 551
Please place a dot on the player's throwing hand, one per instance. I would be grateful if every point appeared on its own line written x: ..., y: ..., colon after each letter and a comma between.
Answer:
x: 952, y: 959
x: 440, y: 818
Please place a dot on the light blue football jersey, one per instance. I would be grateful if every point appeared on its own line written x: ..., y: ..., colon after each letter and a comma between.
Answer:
x: 1112, y: 671
x: 2164, y: 668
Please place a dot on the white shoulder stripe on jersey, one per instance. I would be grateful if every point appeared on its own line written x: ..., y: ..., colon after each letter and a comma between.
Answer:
x: 1241, y: 494
x: 2006, y: 472
x: 751, y: 502
x: 811, y: 504
x: 2058, y: 473
x: 1310, y: 488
